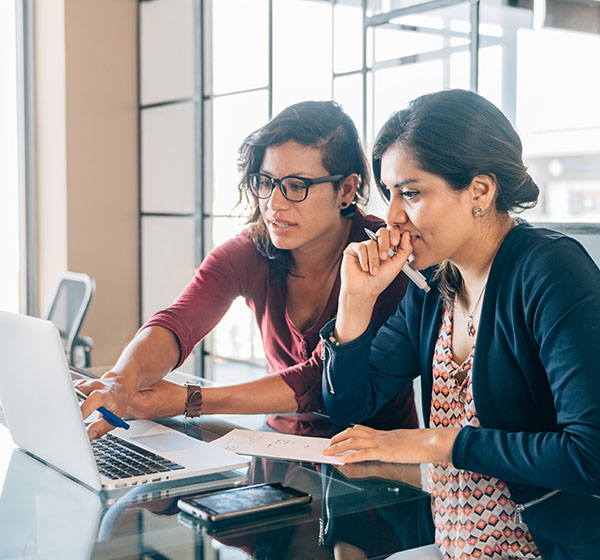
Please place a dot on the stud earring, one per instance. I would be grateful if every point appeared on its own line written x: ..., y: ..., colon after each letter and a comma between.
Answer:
x: 348, y: 210
x: 478, y: 212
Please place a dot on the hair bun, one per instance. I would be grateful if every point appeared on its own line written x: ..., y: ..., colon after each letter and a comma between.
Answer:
x: 525, y: 195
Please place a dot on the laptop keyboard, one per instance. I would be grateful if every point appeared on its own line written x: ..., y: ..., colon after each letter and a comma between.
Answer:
x: 118, y: 458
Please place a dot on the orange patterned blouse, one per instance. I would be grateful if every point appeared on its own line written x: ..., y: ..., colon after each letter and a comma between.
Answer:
x: 473, y: 513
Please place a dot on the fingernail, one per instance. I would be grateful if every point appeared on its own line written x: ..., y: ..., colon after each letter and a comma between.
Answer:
x: 374, y: 270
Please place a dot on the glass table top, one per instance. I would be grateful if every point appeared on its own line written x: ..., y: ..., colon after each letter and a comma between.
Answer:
x: 369, y: 510
x: 44, y: 514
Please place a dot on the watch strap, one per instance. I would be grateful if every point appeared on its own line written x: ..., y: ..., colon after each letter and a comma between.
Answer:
x: 193, y: 403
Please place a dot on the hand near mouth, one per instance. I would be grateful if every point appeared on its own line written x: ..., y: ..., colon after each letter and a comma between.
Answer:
x: 395, y: 234
x: 370, y: 266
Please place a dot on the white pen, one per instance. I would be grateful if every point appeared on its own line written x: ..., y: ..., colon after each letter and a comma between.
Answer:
x: 412, y: 274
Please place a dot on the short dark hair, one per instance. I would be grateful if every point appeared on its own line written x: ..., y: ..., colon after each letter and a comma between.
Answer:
x: 457, y: 135
x: 322, y: 125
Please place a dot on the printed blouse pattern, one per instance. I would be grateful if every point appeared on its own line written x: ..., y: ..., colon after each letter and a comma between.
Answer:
x: 473, y: 514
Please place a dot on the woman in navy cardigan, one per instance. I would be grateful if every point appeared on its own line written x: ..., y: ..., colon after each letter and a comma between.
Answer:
x: 505, y: 342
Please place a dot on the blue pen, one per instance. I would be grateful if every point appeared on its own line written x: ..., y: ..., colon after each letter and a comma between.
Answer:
x: 111, y: 418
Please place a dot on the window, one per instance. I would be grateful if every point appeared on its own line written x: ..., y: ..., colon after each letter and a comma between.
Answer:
x: 278, y: 67
x: 9, y: 162
x: 558, y: 117
x: 169, y: 181
x: 541, y: 77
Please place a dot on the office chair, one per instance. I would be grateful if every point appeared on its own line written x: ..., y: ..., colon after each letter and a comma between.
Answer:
x: 67, y: 311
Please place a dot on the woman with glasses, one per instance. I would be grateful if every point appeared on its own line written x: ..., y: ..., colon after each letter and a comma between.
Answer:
x: 303, y: 174
x: 505, y: 342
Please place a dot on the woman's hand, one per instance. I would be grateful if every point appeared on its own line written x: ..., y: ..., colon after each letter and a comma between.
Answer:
x: 394, y: 446
x: 111, y: 392
x: 161, y: 400
x: 367, y: 268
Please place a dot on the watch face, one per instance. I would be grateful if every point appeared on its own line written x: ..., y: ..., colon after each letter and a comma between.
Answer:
x: 193, y: 405
x: 195, y: 397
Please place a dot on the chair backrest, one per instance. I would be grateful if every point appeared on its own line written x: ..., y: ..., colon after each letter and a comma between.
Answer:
x: 69, y: 307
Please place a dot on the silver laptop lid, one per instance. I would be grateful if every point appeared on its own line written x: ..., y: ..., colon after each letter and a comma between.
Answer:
x: 37, y: 396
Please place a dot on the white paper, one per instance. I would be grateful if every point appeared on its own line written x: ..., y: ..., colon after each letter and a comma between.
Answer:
x: 280, y: 446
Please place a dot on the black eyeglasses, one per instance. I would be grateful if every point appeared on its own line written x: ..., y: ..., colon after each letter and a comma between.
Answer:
x: 295, y: 189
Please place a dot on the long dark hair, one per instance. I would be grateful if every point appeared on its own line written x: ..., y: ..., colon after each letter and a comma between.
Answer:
x: 322, y: 125
x: 457, y: 135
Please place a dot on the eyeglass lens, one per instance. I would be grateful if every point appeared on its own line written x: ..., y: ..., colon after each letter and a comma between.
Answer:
x: 292, y: 188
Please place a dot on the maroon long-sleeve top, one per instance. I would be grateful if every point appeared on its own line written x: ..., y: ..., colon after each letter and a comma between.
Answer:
x: 234, y: 269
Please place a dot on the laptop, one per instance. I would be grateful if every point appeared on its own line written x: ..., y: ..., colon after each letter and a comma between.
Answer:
x: 43, y: 415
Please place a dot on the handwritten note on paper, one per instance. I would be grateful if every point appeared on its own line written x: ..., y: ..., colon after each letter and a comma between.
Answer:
x: 279, y: 446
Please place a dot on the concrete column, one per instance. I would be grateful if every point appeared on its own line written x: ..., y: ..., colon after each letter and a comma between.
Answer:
x: 87, y: 153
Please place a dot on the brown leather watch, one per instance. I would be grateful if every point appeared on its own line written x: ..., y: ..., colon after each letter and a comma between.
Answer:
x: 193, y: 403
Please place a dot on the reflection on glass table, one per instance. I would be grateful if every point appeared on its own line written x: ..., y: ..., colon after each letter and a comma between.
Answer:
x: 44, y: 510
x: 370, y: 510
x: 51, y: 515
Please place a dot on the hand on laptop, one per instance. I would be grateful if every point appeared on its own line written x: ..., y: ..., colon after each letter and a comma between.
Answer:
x: 109, y: 392
x: 161, y: 400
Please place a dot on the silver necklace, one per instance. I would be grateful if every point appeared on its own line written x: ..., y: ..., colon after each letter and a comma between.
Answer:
x: 470, y: 326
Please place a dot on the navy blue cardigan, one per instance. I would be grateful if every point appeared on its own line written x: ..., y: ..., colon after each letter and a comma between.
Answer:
x: 536, y: 381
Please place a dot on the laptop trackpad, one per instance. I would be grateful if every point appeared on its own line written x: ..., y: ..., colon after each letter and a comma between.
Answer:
x: 164, y: 443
